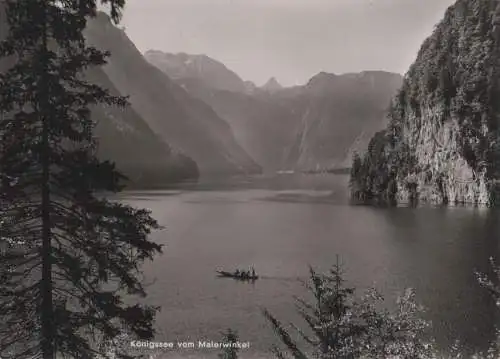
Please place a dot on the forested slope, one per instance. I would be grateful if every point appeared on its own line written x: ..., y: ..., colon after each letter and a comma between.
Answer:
x: 442, y: 141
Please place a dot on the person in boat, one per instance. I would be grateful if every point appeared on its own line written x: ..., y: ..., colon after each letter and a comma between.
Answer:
x: 237, y: 273
x: 253, y: 272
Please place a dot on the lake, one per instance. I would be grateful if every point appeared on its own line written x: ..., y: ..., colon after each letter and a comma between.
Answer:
x: 280, y: 226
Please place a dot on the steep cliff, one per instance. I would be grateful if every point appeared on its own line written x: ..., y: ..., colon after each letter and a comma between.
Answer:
x: 264, y: 127
x: 442, y: 142
x: 186, y: 123
x: 125, y: 138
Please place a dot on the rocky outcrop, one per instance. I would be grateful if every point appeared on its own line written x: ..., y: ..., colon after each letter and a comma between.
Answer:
x: 441, y: 173
x: 442, y: 143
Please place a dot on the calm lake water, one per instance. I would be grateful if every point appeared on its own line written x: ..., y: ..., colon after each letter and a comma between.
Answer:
x: 281, y: 226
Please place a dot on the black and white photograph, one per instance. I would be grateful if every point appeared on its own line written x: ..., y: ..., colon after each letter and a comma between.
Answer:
x: 249, y: 179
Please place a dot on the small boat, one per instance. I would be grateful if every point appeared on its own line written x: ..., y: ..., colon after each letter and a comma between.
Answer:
x: 237, y: 276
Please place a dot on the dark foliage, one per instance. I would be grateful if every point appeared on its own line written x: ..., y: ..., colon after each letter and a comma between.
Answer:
x: 454, y: 80
x: 70, y: 259
x: 231, y: 337
x: 340, y: 326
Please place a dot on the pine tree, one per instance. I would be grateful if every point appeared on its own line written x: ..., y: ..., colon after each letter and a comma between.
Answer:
x: 229, y: 336
x: 344, y: 327
x: 70, y: 257
x: 355, y: 179
x: 328, y: 317
x: 397, y: 334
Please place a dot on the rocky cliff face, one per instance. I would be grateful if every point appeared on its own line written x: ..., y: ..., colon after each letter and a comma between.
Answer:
x: 186, y: 123
x: 442, y: 143
x: 441, y: 173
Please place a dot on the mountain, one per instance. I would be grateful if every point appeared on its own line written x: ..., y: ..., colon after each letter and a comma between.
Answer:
x: 263, y: 126
x: 443, y: 140
x: 186, y: 123
x: 126, y: 139
x: 200, y: 67
x: 335, y: 115
x: 272, y: 85
x: 318, y: 125
x: 250, y: 87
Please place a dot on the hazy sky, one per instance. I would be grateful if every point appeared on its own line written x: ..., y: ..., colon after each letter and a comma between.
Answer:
x: 291, y: 40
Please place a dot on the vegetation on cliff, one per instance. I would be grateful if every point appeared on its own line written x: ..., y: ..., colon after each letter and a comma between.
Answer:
x: 443, y: 135
x: 374, y: 176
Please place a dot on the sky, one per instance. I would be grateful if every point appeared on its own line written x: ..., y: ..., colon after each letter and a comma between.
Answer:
x: 291, y: 40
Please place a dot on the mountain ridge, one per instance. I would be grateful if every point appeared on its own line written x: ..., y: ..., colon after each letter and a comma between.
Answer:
x: 124, y: 137
x: 275, y: 126
x: 199, y: 66
x: 272, y: 85
x: 187, y: 123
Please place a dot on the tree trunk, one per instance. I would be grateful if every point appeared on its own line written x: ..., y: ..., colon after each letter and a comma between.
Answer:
x: 47, y: 342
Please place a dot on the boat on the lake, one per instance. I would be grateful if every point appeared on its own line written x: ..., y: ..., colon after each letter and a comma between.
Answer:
x: 239, y: 275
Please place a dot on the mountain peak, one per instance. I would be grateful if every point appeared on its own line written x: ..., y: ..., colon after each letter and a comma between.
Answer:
x: 322, y: 81
x: 183, y: 121
x: 321, y: 77
x: 182, y: 66
x: 272, y: 85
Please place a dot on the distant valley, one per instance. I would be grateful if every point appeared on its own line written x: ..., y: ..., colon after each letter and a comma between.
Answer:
x: 311, y: 127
